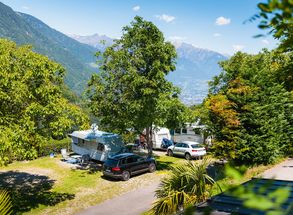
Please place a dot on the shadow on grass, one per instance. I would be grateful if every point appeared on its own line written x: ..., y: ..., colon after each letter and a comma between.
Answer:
x: 91, y: 167
x: 164, y: 165
x: 120, y: 179
x: 111, y: 179
x: 28, y: 191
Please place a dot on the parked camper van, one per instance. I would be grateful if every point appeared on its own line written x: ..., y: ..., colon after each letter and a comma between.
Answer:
x: 99, y: 145
x: 160, y: 137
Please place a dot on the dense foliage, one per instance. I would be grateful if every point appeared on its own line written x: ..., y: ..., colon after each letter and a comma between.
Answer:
x: 250, y: 107
x: 32, y: 108
x: 277, y: 15
x: 54, y: 146
x: 131, y: 91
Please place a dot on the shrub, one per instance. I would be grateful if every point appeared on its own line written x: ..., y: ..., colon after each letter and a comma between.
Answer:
x: 54, y: 146
x: 187, y: 184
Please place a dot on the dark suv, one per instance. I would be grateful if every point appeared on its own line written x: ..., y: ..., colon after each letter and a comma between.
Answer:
x: 124, y: 165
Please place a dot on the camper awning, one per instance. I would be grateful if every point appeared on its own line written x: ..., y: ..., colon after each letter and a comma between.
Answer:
x: 80, y: 135
x: 90, y: 135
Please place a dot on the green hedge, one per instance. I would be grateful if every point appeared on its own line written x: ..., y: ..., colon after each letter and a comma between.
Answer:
x: 54, y: 146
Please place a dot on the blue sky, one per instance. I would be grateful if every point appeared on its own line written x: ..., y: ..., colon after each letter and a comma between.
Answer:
x: 212, y: 24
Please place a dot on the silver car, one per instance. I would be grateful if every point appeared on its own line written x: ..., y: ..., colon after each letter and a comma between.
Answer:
x: 188, y: 149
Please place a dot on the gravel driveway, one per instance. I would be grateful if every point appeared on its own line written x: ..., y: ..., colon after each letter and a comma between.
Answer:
x: 132, y: 203
x: 282, y: 171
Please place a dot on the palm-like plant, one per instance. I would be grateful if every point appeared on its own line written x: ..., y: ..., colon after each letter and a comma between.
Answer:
x: 188, y: 184
x: 5, y: 203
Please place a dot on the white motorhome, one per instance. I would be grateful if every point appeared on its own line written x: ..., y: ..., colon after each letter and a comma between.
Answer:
x: 99, y: 145
x: 158, y: 136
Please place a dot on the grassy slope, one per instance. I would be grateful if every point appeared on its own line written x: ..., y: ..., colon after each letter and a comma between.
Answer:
x: 87, y: 186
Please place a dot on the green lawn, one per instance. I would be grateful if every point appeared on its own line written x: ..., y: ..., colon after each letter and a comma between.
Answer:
x: 50, y: 186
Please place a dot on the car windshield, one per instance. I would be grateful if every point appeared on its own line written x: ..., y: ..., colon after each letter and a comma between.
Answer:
x: 194, y: 146
x: 111, y: 162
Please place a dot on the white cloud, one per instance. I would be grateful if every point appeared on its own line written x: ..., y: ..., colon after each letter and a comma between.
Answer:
x: 165, y: 17
x: 238, y: 47
x: 222, y: 21
x: 217, y: 34
x: 25, y: 7
x: 136, y: 8
x: 266, y: 42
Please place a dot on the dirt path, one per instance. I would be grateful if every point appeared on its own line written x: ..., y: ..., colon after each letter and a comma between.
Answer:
x: 282, y: 171
x: 132, y: 203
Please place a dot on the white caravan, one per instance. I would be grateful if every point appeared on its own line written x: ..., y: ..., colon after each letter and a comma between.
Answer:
x: 99, y: 145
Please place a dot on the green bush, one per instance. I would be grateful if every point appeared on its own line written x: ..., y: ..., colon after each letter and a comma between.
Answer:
x: 54, y: 146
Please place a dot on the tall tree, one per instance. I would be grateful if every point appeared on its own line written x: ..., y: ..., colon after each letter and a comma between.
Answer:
x: 131, y: 91
x: 32, y: 108
x: 250, y: 110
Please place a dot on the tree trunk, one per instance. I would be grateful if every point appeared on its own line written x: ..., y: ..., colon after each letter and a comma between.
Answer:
x: 149, y: 140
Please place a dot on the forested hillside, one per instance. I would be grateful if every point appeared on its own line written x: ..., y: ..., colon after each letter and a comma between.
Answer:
x: 74, y: 56
x: 32, y: 107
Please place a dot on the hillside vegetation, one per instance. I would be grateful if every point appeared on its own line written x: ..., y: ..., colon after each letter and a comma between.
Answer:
x: 32, y: 107
x: 74, y: 56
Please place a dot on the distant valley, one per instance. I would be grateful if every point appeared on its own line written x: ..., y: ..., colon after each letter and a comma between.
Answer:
x: 195, y: 66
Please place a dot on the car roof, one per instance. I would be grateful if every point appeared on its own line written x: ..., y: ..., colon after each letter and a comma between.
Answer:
x: 122, y: 155
x: 191, y: 142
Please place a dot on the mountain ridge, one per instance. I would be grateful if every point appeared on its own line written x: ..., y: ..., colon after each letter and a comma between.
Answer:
x: 74, y: 56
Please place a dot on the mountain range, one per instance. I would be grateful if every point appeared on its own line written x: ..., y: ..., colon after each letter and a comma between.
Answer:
x: 194, y: 68
x: 76, y: 53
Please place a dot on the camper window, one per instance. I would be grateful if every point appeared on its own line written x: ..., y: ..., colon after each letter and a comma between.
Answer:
x: 101, y: 147
x: 80, y: 141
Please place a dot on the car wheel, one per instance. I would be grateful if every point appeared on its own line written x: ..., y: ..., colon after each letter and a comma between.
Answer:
x: 187, y: 156
x: 170, y: 153
x: 152, y: 167
x: 125, y: 175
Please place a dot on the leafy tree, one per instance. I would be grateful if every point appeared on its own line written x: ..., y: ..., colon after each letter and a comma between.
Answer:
x: 32, y: 108
x: 250, y: 109
x: 187, y: 184
x: 277, y: 15
x: 131, y: 90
